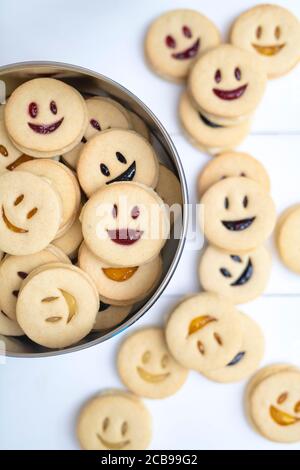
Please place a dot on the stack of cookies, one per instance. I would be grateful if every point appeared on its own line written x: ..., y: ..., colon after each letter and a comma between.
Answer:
x: 96, y: 207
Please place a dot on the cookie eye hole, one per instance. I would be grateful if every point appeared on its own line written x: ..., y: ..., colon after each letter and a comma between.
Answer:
x: 258, y: 32
x: 19, y: 200
x: 245, y: 201
x: 32, y: 213
x: 104, y: 170
x: 33, y: 109
x: 121, y: 158
x: 95, y: 124
x: 297, y: 407
x: 22, y: 274
x: 225, y: 272
x: 164, y: 361
x: 226, y: 203
x: 124, y: 428
x: 236, y: 258
x: 146, y: 357
x: 3, y: 151
x: 243, y: 174
x: 218, y: 76
x: 135, y: 212
x: 53, y: 107
x: 115, y: 211
x: 237, y: 73
x: 187, y: 31
x: 277, y: 32
x: 105, y: 424
x: 282, y: 398
x: 170, y: 42
x: 218, y: 339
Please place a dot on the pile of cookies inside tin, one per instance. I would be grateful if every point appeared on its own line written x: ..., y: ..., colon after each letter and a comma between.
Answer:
x: 77, y: 179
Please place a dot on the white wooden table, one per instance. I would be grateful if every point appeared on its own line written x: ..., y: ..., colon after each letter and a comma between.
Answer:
x: 39, y: 398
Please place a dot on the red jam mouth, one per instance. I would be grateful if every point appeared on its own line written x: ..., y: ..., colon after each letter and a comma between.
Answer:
x: 229, y: 95
x: 238, y: 225
x: 45, y: 128
x: 268, y: 50
x: 125, y: 236
x: 188, y: 53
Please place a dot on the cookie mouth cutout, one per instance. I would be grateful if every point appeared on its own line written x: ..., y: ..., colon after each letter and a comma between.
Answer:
x: 238, y: 225
x: 268, y: 50
x: 188, y: 53
x: 230, y: 95
x: 10, y: 225
x: 209, y: 123
x: 113, y: 445
x: 245, y: 276
x: 22, y: 159
x: 282, y: 418
x: 127, y: 175
x: 45, y: 128
x: 237, y: 358
x: 152, y: 378
x: 125, y: 236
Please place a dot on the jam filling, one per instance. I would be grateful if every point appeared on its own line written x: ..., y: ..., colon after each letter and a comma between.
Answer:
x: 188, y: 53
x: 229, y: 95
x: 238, y: 225
x: 125, y: 236
x: 45, y: 129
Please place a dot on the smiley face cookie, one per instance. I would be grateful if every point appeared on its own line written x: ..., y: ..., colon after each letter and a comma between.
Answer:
x: 57, y: 305
x: 175, y: 39
x: 110, y: 316
x: 116, y: 155
x: 114, y: 421
x: 232, y: 164
x: 206, y: 134
x: 204, y: 332
x: 125, y: 224
x: 227, y: 81
x: 46, y: 117
x: 247, y: 360
x: 103, y: 113
x: 239, y: 277
x: 14, y: 269
x: 273, y: 33
x: 31, y: 213
x: 146, y: 366
x: 239, y: 214
x: 274, y: 404
x: 120, y: 286
x: 287, y: 236
x: 65, y: 184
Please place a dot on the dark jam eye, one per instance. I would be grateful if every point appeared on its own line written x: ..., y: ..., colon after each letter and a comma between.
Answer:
x: 218, y: 76
x: 226, y: 203
x: 258, y: 32
x: 33, y: 110
x: 237, y: 73
x: 187, y: 32
x: 53, y: 107
x: 277, y: 32
x: 104, y: 170
x: 121, y: 157
x: 115, y: 211
x: 135, y: 212
x: 170, y: 42
x: 245, y: 201
x: 95, y: 124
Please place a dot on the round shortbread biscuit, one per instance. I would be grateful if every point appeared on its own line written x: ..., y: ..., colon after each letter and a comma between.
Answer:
x: 114, y: 421
x: 273, y: 33
x: 57, y: 305
x: 204, y: 332
x: 31, y: 213
x: 14, y: 269
x: 239, y: 277
x: 227, y: 81
x: 110, y: 316
x: 232, y: 164
x: 116, y: 155
x: 65, y: 184
x: 168, y: 188
x: 146, y: 366
x: 247, y: 360
x: 207, y: 134
x: 139, y: 125
x: 239, y: 214
x: 120, y: 286
x: 46, y: 113
x: 125, y: 224
x: 287, y: 236
x: 175, y: 39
